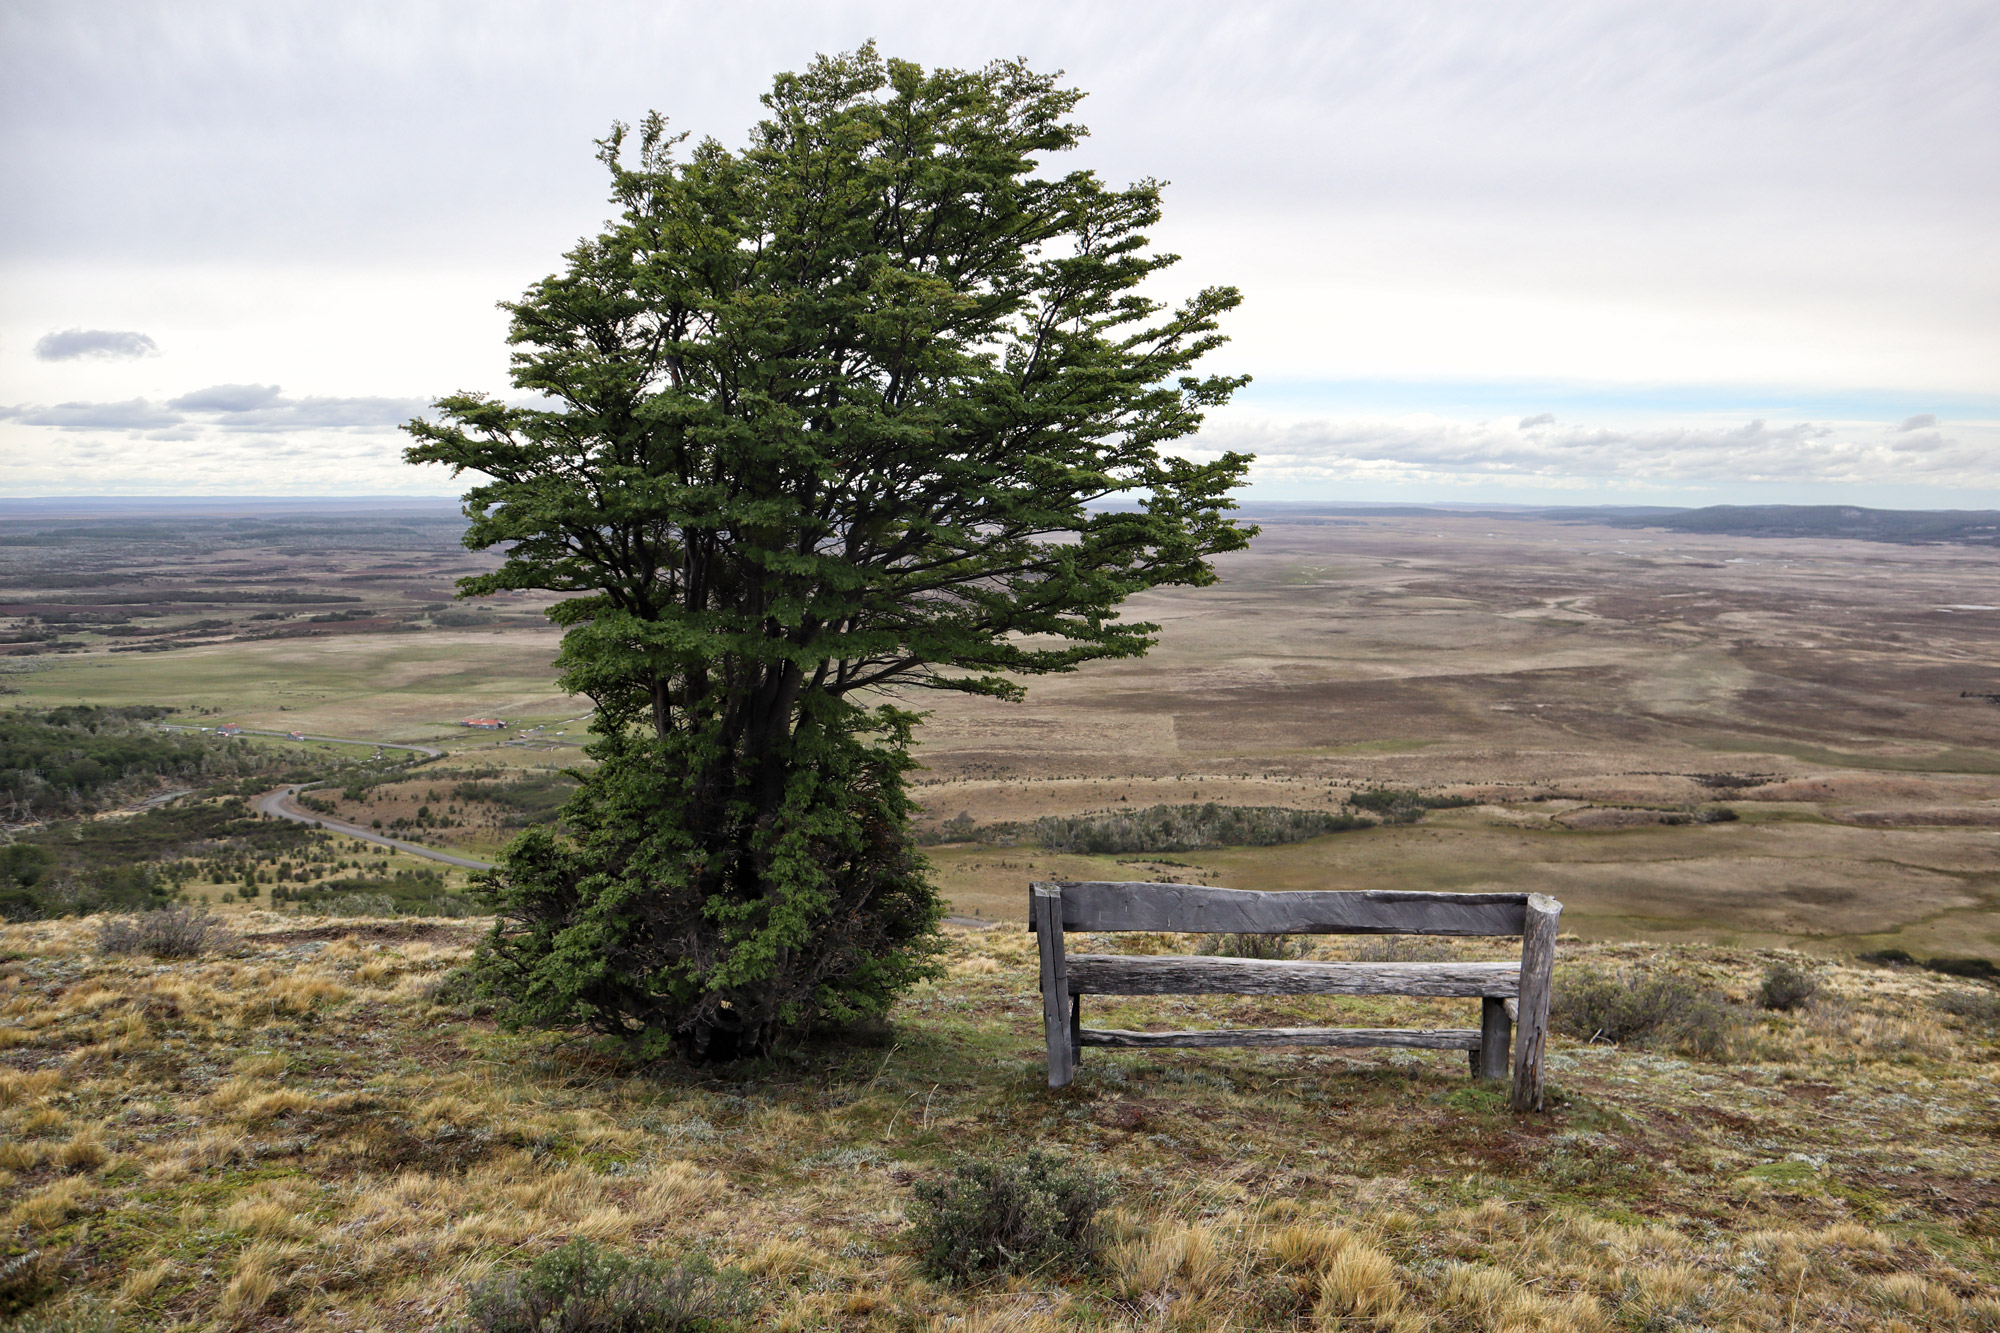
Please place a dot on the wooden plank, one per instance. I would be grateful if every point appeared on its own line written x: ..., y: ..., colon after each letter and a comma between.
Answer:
x: 1114, y: 905
x: 1538, y: 958
x: 1046, y: 904
x: 1435, y: 1039
x: 1176, y: 974
x: 1496, y: 1033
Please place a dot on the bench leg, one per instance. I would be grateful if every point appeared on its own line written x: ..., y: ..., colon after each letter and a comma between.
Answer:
x: 1058, y: 1014
x: 1496, y: 1038
x: 1538, y: 956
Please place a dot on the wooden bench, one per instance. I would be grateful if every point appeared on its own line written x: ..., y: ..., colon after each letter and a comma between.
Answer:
x: 1512, y: 994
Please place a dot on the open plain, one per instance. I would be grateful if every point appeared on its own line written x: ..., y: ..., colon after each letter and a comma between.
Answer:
x: 1587, y: 685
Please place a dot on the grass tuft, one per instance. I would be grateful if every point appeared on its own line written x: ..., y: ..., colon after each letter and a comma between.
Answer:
x: 171, y: 932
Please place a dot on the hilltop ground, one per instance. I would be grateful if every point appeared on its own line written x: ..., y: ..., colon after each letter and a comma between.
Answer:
x: 307, y: 1131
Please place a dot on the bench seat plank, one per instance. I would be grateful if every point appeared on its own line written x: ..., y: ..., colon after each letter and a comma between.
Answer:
x: 1432, y: 1039
x: 1115, y: 905
x: 1176, y: 974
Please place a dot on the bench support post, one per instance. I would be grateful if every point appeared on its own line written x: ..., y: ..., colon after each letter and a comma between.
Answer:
x: 1538, y: 958
x: 1059, y: 1013
x: 1496, y: 1035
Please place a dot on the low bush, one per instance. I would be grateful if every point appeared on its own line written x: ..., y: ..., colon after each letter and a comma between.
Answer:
x: 171, y: 932
x: 1185, y: 828
x: 1254, y: 946
x: 1980, y: 1007
x: 1029, y: 1213
x: 581, y: 1288
x: 1403, y: 949
x: 1640, y: 1008
x: 1975, y: 969
x: 1398, y: 806
x: 1786, y: 987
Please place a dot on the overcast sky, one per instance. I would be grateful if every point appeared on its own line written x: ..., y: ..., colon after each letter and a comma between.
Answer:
x: 1491, y: 251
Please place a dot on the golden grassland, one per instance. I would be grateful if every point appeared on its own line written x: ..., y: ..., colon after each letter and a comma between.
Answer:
x: 300, y: 1132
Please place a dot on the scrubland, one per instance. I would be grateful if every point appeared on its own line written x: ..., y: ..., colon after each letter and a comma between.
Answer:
x: 313, y: 1128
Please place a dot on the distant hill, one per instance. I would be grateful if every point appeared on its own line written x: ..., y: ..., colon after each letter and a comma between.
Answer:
x: 1973, y: 527
x: 1977, y: 527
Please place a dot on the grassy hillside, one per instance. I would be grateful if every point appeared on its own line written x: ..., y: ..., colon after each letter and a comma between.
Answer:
x: 312, y: 1129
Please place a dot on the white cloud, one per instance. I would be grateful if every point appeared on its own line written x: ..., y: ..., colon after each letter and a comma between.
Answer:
x: 101, y: 344
x: 132, y: 414
x: 228, y: 398
x: 227, y: 407
x: 1631, y: 459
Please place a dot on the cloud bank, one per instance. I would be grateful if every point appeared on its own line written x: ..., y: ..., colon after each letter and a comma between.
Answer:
x: 1545, y: 452
x: 95, y: 344
x: 223, y: 407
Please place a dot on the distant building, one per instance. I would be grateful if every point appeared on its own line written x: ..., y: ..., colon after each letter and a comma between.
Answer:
x: 483, y: 723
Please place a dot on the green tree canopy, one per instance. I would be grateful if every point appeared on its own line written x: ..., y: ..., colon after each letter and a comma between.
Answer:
x: 816, y: 419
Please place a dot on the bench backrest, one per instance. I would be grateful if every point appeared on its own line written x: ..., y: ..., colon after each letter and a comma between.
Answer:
x: 1510, y: 992
x: 1102, y: 905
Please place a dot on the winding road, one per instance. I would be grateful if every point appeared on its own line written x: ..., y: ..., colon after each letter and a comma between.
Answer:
x: 280, y: 803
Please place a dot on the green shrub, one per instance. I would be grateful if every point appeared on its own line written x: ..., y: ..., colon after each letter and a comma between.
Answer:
x: 1025, y: 1214
x: 1255, y: 946
x: 1185, y: 828
x: 1398, y: 806
x: 1786, y: 986
x: 583, y: 1289
x: 1640, y: 1008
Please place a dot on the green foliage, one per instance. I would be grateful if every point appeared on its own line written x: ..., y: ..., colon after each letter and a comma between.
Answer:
x: 1186, y: 828
x: 839, y: 411
x: 1398, y: 806
x: 1786, y: 986
x: 583, y: 1289
x: 1032, y: 1213
x: 818, y: 910
x: 1976, y: 969
x: 378, y: 893
x: 1640, y: 1007
x: 534, y: 799
x: 1254, y: 945
x: 99, y: 865
x: 70, y: 760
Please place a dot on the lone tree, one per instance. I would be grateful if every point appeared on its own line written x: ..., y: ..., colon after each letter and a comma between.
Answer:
x: 817, y: 422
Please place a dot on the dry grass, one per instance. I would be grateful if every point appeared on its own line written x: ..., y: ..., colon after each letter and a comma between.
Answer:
x: 293, y: 1137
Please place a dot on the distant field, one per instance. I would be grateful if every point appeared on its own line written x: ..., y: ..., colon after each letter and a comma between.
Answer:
x: 1827, y: 691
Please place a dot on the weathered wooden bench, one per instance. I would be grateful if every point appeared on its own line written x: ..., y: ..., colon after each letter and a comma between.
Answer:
x: 1512, y: 994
